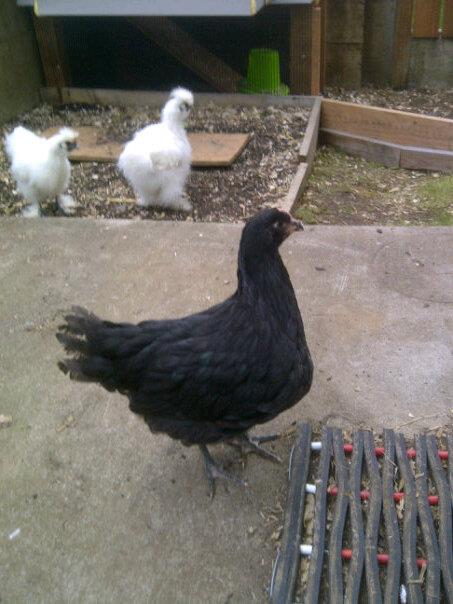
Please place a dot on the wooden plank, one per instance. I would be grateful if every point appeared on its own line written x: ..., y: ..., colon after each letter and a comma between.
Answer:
x: 299, y: 20
x: 316, y: 50
x: 414, y: 158
x: 426, y: 19
x: 308, y: 147
x: 392, y: 156
x: 361, y: 146
x: 216, y: 149
x: 389, y: 125
x: 208, y: 149
x: 401, y: 43
x: 53, y: 55
x: 140, y: 98
x: 447, y: 28
x: 297, y: 187
x: 174, y: 40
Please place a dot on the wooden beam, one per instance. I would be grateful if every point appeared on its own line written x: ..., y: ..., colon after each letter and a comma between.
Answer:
x: 308, y: 147
x: 388, y: 125
x: 307, y: 155
x: 53, y: 55
x: 389, y: 154
x: 414, y: 158
x: 316, y: 52
x: 426, y: 19
x: 141, y: 98
x: 361, y: 146
x: 174, y: 40
x: 401, y: 43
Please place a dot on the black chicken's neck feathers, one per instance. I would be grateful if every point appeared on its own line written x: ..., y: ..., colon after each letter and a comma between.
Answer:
x: 262, y: 275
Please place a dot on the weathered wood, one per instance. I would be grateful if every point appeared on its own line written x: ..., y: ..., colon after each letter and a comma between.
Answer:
x: 288, y: 562
x: 390, y: 125
x: 177, y: 42
x: 401, y: 43
x: 361, y: 146
x: 140, y: 98
x: 316, y: 50
x: 208, y: 149
x: 426, y: 19
x: 297, y: 187
x: 299, y: 20
x: 52, y: 51
x: 308, y: 147
x: 415, y: 158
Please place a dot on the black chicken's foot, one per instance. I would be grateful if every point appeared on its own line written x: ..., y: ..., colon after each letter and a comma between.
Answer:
x: 214, y: 472
x: 251, y: 444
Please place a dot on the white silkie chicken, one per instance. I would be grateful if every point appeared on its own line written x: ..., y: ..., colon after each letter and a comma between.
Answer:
x: 156, y: 162
x: 40, y: 167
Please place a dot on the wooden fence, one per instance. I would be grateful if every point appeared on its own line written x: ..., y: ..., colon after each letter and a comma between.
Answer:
x: 432, y: 19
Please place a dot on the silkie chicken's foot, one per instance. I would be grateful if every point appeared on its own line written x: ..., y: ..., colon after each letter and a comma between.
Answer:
x: 32, y: 211
x: 251, y: 444
x: 214, y: 472
x: 66, y: 204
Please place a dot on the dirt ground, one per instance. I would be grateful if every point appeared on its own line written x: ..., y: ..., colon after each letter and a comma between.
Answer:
x: 258, y: 178
x: 350, y: 190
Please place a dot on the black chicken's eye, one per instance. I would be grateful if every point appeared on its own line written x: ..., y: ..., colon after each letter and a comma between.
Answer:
x: 276, y: 225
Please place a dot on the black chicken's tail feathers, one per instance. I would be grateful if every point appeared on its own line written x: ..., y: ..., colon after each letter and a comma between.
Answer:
x: 101, y: 351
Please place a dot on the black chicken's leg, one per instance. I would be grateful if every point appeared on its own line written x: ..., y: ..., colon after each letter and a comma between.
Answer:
x: 251, y: 444
x: 213, y: 471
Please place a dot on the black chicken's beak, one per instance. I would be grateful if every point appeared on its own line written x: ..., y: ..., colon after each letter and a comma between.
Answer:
x: 294, y: 225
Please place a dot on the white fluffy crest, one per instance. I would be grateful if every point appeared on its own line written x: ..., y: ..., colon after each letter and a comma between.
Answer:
x: 182, y: 94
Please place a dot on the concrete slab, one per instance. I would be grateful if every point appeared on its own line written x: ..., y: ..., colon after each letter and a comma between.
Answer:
x: 108, y: 512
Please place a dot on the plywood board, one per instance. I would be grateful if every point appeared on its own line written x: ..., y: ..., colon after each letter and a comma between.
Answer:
x: 388, y: 125
x: 208, y: 149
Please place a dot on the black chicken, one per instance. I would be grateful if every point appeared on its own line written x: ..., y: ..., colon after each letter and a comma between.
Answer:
x: 211, y: 376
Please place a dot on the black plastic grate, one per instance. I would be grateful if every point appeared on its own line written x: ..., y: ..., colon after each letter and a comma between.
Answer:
x: 373, y: 545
